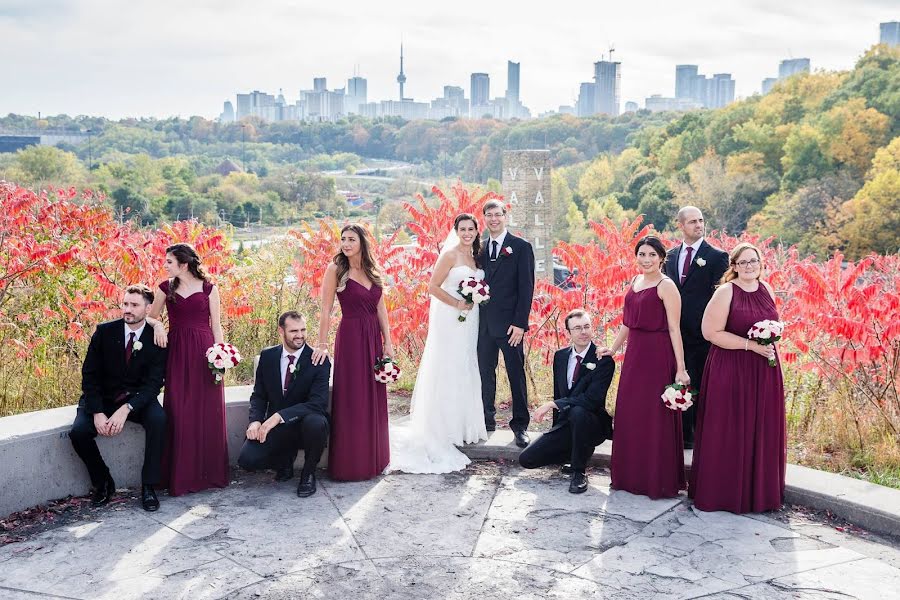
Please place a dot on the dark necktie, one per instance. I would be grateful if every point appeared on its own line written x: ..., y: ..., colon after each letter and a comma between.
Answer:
x: 493, y: 249
x: 129, y: 347
x: 576, y: 370
x: 287, y: 372
x: 687, y: 263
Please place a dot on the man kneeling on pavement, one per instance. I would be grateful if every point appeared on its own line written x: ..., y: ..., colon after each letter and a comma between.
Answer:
x: 580, y: 420
x: 288, y: 408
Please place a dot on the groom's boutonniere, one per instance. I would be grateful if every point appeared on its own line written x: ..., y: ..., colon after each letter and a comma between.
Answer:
x: 701, y: 262
x: 506, y: 251
x: 590, y: 366
x: 292, y: 367
x: 137, y: 345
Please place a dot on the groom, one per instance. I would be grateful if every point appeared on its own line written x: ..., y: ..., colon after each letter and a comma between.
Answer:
x: 508, y: 263
x: 696, y: 267
x: 288, y: 408
x: 122, y: 374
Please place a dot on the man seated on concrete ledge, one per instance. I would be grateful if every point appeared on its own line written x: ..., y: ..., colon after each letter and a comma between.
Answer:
x: 288, y: 408
x: 581, y: 423
x: 122, y: 374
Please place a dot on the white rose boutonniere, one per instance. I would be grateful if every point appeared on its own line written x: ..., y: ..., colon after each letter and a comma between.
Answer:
x: 701, y: 262
x: 137, y: 346
x: 590, y: 366
x: 506, y: 251
x: 292, y: 367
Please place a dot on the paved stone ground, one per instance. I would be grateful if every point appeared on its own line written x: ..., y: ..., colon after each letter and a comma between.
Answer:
x: 490, y: 532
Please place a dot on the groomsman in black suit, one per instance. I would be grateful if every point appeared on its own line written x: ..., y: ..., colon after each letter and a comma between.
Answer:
x: 508, y: 263
x: 696, y: 267
x: 288, y: 408
x: 122, y: 374
x: 581, y: 423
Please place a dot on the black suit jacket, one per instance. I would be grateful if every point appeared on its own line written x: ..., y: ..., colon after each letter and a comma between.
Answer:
x: 306, y: 394
x: 105, y: 376
x: 511, y: 279
x: 698, y: 288
x: 588, y: 391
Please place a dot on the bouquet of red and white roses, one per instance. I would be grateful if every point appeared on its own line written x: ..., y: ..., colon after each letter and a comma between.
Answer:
x: 473, y: 291
x: 387, y: 371
x: 766, y: 333
x: 678, y: 396
x: 222, y: 357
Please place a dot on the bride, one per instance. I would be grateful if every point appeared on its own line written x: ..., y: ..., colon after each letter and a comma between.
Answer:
x: 446, y: 406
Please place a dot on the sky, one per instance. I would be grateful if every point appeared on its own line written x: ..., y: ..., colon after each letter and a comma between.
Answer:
x: 164, y: 58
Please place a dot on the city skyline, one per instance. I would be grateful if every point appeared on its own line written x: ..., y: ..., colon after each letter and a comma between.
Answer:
x: 154, y: 60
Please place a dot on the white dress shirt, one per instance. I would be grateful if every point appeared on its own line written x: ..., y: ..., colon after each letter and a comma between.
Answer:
x: 570, y: 371
x: 499, y: 239
x: 137, y: 332
x: 682, y: 254
x: 285, y: 362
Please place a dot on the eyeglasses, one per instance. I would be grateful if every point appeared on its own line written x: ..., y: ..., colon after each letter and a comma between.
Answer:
x: 747, y: 263
x: 581, y: 328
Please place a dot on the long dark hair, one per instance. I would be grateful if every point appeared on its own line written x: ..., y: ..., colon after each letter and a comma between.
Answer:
x: 655, y: 243
x: 369, y: 265
x: 185, y: 255
x: 476, y: 243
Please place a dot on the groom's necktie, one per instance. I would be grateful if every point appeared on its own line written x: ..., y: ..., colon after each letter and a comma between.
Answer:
x: 287, y: 372
x: 575, y: 371
x: 493, y: 249
x: 129, y: 347
x: 687, y: 263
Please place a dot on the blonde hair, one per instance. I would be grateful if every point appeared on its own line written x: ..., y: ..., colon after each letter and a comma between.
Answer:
x: 732, y: 273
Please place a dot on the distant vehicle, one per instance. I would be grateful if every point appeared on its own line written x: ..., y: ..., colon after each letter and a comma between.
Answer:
x: 563, y: 277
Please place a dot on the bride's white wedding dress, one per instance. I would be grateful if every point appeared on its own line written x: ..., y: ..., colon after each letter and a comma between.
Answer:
x: 446, y: 406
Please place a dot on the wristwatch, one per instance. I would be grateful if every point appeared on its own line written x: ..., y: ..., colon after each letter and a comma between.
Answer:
x: 130, y: 407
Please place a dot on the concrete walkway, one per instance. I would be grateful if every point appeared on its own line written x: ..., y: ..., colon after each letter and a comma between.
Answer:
x: 491, y: 531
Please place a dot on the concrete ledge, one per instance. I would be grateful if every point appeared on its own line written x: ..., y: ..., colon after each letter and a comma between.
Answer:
x: 870, y: 506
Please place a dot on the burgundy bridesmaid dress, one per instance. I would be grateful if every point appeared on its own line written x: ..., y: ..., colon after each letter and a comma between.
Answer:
x: 358, y: 448
x: 196, y: 453
x: 740, y: 455
x: 648, y: 451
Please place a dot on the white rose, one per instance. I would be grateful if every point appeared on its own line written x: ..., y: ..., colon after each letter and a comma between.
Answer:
x: 292, y: 368
x: 670, y: 394
x: 765, y: 334
x: 137, y: 345
x: 589, y: 366
x: 687, y: 396
x: 701, y: 262
x: 508, y: 249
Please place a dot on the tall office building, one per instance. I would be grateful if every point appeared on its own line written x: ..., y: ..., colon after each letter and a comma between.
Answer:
x: 243, y: 106
x: 227, y: 115
x: 890, y: 33
x: 722, y: 90
x: 607, y: 77
x: 357, y: 94
x: 480, y: 92
x: 587, y: 100
x: 319, y: 84
x: 792, y: 66
x: 767, y: 84
x: 512, y: 89
x: 685, y: 81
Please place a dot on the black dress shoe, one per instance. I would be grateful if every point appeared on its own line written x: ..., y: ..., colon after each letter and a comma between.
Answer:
x: 522, y: 439
x: 566, y: 469
x: 579, y: 483
x: 148, y: 498
x: 284, y: 473
x: 307, y: 485
x: 101, y: 495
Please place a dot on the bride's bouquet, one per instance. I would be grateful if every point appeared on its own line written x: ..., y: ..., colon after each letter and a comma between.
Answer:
x: 387, y: 371
x: 222, y: 357
x: 679, y: 396
x: 766, y: 333
x: 473, y: 291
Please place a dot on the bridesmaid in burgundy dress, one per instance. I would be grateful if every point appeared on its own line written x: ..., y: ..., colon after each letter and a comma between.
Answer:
x: 196, y: 452
x: 359, y: 448
x: 648, y: 450
x: 741, y: 450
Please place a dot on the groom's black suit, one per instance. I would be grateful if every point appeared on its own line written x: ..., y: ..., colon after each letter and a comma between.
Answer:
x: 581, y: 422
x: 303, y: 406
x: 511, y: 279
x: 696, y: 291
x: 107, y: 382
